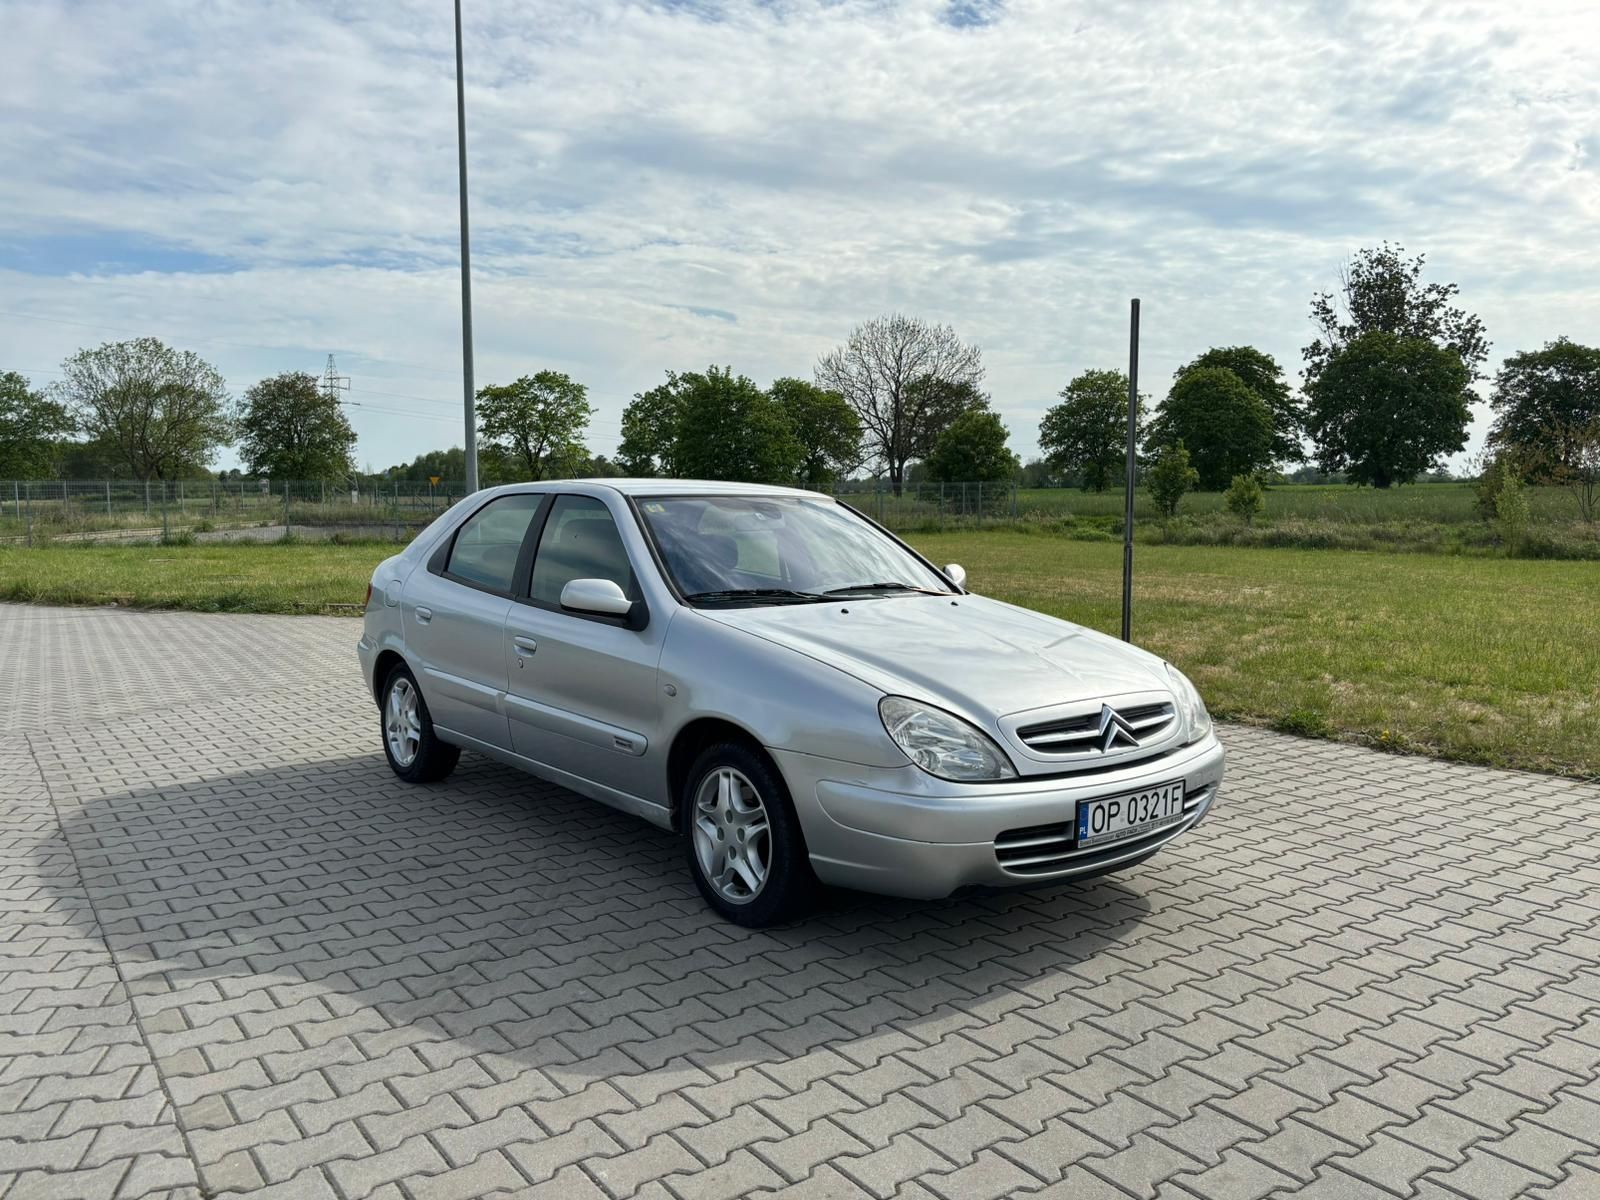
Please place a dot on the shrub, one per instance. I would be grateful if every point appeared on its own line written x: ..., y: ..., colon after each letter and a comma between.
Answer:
x: 1170, y: 477
x: 1511, y: 510
x: 1244, y: 497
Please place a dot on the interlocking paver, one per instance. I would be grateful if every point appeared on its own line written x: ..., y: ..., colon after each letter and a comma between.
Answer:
x: 234, y: 952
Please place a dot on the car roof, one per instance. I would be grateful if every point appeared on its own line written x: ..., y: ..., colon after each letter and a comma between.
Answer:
x: 681, y: 487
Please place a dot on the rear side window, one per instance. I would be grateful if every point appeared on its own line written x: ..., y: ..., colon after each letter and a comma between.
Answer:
x: 486, y: 549
x: 580, y: 541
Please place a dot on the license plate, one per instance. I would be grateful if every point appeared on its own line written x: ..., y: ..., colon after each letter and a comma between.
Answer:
x: 1118, y: 817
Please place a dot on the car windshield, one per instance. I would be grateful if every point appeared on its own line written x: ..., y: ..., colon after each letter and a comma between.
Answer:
x: 777, y: 550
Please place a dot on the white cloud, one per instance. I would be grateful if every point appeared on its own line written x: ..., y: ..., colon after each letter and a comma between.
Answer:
x: 644, y: 173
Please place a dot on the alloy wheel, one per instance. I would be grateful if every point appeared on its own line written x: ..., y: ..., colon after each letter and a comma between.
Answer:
x: 732, y: 836
x: 402, y: 723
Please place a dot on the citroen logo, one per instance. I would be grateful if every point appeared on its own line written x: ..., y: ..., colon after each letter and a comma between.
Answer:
x: 1114, y: 731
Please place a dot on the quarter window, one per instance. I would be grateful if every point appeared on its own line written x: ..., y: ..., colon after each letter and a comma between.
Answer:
x: 486, y: 549
x: 580, y: 541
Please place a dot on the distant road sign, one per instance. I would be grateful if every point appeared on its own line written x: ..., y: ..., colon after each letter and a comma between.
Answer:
x: 433, y: 480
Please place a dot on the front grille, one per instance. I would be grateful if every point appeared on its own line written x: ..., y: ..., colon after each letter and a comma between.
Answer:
x: 1046, y: 849
x: 1081, y: 733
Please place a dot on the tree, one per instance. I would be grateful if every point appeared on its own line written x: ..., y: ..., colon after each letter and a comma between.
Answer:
x: 291, y: 429
x: 1226, y: 427
x: 972, y: 449
x: 828, y: 430
x: 728, y: 428
x: 1578, y: 466
x: 1244, y: 497
x: 1539, y: 395
x: 538, y: 421
x: 1261, y: 373
x: 32, y: 427
x: 1381, y: 291
x: 1170, y: 477
x: 1387, y: 407
x: 650, y: 429
x: 1087, y: 433
x: 163, y: 412
x: 906, y: 380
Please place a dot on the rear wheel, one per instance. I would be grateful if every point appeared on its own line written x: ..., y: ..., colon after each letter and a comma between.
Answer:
x: 742, y: 838
x: 414, y: 751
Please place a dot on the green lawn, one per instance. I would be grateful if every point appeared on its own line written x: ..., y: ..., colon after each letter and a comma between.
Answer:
x: 1483, y: 659
x: 215, y: 577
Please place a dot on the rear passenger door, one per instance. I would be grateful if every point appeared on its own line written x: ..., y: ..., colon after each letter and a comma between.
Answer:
x: 454, y: 614
x: 581, y: 693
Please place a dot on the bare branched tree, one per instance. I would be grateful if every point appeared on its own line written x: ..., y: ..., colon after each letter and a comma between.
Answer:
x: 906, y: 380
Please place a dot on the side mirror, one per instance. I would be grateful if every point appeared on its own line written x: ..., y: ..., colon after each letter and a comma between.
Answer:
x: 601, y: 596
x: 956, y: 574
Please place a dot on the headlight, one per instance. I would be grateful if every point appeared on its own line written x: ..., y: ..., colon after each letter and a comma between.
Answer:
x: 1195, y: 717
x: 942, y: 744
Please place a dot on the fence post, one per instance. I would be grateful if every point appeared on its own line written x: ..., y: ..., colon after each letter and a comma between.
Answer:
x: 108, y: 497
x: 397, y: 512
x: 165, y: 532
x: 181, y: 509
x: 324, y: 503
x: 147, y: 497
x: 16, y: 495
x: 27, y: 491
x: 286, y: 509
x: 1013, y: 499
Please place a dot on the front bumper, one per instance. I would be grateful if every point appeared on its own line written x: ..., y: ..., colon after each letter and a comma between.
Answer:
x: 901, y: 832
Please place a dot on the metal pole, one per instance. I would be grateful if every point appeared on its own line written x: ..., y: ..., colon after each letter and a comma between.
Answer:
x: 108, y: 497
x: 468, y: 391
x: 1133, y: 437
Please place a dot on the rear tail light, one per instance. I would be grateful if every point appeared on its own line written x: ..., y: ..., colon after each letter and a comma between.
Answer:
x: 368, y: 602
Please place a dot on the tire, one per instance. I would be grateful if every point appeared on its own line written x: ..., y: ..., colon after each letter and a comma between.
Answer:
x: 404, y: 708
x: 739, y: 828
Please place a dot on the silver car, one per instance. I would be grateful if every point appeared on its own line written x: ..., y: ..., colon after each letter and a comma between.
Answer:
x: 793, y: 690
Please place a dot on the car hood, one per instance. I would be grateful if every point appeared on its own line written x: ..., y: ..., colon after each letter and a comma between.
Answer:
x: 975, y: 656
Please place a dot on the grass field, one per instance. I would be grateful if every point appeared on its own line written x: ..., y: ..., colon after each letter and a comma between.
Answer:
x: 1486, y: 660
x: 221, y: 577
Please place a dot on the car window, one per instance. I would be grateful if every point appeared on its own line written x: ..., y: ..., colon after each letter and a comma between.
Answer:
x: 580, y: 541
x: 711, y: 544
x: 486, y: 548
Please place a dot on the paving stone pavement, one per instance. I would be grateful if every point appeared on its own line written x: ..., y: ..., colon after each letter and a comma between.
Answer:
x: 238, y: 957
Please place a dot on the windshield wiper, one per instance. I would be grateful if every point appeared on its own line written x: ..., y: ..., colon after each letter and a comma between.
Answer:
x: 890, y: 585
x: 734, y: 595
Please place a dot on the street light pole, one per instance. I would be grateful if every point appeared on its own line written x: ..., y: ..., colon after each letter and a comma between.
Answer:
x: 468, y: 391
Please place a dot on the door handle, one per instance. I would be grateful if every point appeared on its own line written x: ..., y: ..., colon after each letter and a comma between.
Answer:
x: 423, y: 615
x: 524, y: 645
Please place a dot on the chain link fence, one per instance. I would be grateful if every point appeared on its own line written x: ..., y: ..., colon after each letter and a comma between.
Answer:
x: 43, y: 511
x: 34, y: 512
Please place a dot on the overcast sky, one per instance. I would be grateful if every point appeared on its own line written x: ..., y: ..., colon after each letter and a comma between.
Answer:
x: 677, y: 184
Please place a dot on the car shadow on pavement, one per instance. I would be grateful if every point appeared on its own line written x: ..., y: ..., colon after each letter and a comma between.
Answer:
x: 342, y: 918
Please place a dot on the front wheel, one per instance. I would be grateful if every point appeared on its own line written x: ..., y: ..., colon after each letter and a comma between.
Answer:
x: 742, y: 838
x: 413, y: 749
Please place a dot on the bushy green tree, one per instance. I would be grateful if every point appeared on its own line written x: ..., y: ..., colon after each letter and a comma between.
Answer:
x: 32, y: 428
x: 538, y: 422
x: 1386, y: 408
x: 728, y: 428
x: 289, y: 428
x: 1244, y: 497
x: 1226, y: 427
x: 972, y: 449
x: 1540, y: 396
x: 163, y: 412
x: 650, y: 429
x: 1170, y: 477
x: 1261, y: 373
x: 1087, y: 433
x: 828, y: 430
x: 1381, y: 291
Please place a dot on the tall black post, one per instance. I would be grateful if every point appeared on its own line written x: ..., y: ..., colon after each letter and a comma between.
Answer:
x: 1133, y: 437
